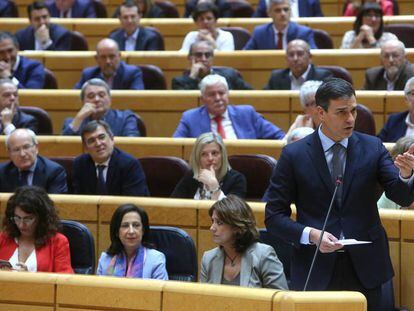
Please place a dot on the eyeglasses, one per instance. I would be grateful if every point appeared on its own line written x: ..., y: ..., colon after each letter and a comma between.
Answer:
x: 372, y: 15
x: 28, y: 220
x: 24, y: 148
x: 201, y: 54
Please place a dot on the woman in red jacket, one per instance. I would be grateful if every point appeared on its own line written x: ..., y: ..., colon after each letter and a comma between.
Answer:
x: 29, y: 240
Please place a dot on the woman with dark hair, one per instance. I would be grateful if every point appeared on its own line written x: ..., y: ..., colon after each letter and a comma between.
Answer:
x: 223, y: 6
x: 29, y: 240
x: 352, y: 7
x: 205, y: 16
x: 211, y: 177
x: 239, y: 258
x: 368, y: 29
x: 130, y: 253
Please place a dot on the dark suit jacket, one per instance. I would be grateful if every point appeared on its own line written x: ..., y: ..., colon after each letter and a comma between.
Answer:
x: 147, y: 40
x: 6, y: 9
x: 128, y: 77
x: 48, y: 175
x: 247, y: 123
x: 61, y: 37
x: 263, y: 37
x: 307, y: 8
x: 233, y: 183
x: 24, y: 120
x: 30, y: 73
x: 81, y: 8
x: 394, y: 128
x: 234, y: 81
x: 279, y: 79
x: 374, y: 78
x: 125, y: 175
x: 302, y: 177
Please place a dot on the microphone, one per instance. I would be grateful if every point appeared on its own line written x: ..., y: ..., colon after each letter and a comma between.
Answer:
x: 338, y: 182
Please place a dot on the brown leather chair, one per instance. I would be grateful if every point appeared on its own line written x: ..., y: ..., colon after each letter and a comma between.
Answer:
x: 257, y: 168
x: 322, y: 39
x: 100, y: 8
x: 43, y: 119
x: 79, y: 42
x: 163, y: 174
x: 404, y: 32
x: 365, y: 122
x: 240, y: 36
x: 339, y: 72
x: 141, y: 126
x: 67, y: 163
x: 153, y: 77
x: 241, y: 8
x: 50, y: 80
x: 169, y: 8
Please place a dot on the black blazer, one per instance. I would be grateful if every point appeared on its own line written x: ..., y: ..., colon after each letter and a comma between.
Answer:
x: 61, y: 37
x: 374, y: 78
x: 147, y: 40
x: 233, y: 183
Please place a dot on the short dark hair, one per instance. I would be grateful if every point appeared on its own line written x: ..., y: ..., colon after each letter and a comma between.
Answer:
x: 36, y: 5
x: 4, y: 35
x: 129, y: 4
x: 204, y: 7
x: 331, y: 89
x: 91, y: 127
x: 116, y: 246
x: 200, y: 42
x: 235, y: 212
x: 32, y: 200
x: 364, y: 9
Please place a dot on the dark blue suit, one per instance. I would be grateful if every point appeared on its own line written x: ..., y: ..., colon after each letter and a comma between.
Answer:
x: 47, y: 174
x: 61, y: 37
x: 122, y: 123
x: 24, y: 120
x: 127, y: 77
x: 81, y: 8
x: 247, y: 123
x: 30, y: 73
x: 307, y: 8
x: 394, y: 128
x: 263, y: 37
x: 125, y: 175
x: 6, y: 9
x: 302, y: 177
x: 147, y: 40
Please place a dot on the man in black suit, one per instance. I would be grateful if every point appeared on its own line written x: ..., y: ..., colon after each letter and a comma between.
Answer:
x: 132, y: 37
x: 26, y: 167
x: 298, y: 59
x: 201, y: 56
x: 104, y: 169
x: 41, y: 34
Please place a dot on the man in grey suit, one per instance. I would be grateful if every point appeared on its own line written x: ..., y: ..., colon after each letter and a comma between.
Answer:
x: 395, y: 69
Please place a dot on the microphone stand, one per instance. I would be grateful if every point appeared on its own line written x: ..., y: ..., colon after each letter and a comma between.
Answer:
x: 338, y: 182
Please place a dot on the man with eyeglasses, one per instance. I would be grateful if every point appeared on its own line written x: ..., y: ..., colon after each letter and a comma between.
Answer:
x: 201, y: 56
x: 402, y: 123
x: 116, y: 73
x: 11, y: 117
x: 27, y: 168
x: 104, y: 169
x: 300, y: 69
x: 96, y: 99
x: 278, y: 33
x: 395, y: 69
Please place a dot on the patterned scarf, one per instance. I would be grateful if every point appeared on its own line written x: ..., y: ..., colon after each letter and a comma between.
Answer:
x: 118, y: 264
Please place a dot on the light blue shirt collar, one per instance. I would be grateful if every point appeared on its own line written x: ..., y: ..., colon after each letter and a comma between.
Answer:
x: 327, y: 143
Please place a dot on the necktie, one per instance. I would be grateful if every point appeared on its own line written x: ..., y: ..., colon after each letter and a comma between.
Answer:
x: 279, y: 45
x: 337, y: 169
x: 220, y: 128
x: 101, y: 186
x: 23, y: 178
x: 65, y: 14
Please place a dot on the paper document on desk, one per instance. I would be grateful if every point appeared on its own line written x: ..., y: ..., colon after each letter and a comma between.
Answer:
x: 352, y: 242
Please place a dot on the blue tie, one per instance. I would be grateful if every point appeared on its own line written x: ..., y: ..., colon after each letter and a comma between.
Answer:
x: 337, y: 169
x: 101, y: 186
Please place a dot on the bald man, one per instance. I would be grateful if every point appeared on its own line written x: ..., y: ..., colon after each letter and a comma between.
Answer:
x: 116, y: 73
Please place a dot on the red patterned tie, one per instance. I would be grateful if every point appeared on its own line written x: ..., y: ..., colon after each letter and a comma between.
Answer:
x: 279, y: 45
x: 220, y: 128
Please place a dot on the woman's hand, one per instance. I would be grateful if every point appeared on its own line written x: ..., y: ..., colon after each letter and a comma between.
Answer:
x: 208, y: 178
x: 368, y: 34
x: 21, y: 267
x: 205, y: 34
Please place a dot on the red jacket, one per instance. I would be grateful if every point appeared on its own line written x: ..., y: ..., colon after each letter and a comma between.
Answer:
x: 54, y: 256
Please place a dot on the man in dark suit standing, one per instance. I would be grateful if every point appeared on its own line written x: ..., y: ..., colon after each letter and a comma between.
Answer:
x: 72, y: 9
x: 131, y: 36
x: 306, y: 174
x: 395, y: 69
x: 201, y: 56
x: 104, y: 169
x: 115, y: 72
x: 41, y: 34
x: 298, y: 59
x: 27, y: 167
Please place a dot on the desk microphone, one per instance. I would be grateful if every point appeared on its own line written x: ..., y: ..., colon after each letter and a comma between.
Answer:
x: 338, y: 182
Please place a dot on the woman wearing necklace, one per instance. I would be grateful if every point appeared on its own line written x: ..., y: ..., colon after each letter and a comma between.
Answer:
x: 239, y: 259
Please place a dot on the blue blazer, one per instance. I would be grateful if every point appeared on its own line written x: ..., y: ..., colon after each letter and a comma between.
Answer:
x: 81, y: 8
x: 307, y: 8
x: 128, y: 77
x: 247, y: 123
x: 302, y: 177
x: 263, y: 37
x: 394, y: 128
x: 47, y: 174
x: 24, y: 120
x: 122, y: 123
x: 30, y: 73
x: 5, y: 9
x: 61, y: 37
x: 147, y: 40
